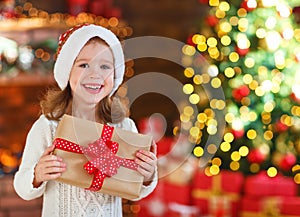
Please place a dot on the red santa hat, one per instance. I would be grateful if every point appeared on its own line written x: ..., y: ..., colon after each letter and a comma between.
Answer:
x: 71, y: 42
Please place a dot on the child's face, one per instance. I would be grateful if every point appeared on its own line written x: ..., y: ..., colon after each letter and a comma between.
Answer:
x: 92, y: 74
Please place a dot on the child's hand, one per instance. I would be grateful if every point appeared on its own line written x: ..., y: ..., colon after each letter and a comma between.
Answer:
x: 49, y: 167
x: 147, y: 162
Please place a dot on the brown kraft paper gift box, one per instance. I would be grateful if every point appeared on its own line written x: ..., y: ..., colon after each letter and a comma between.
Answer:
x: 126, y: 183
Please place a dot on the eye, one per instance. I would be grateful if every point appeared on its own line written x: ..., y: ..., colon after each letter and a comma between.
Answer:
x: 84, y: 65
x: 105, y: 67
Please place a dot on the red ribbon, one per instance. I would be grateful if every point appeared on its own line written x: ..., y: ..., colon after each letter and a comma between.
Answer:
x: 101, y: 154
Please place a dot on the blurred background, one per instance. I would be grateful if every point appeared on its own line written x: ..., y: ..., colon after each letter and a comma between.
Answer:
x: 248, y: 49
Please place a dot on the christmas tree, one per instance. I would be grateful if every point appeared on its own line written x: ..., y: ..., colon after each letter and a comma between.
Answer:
x: 253, y: 47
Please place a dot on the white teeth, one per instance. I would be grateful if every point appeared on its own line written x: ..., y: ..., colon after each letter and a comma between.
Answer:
x: 92, y: 87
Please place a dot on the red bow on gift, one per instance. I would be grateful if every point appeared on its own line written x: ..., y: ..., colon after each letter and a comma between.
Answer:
x: 101, y: 154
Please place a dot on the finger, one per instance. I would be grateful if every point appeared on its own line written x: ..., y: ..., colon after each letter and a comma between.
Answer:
x: 153, y: 147
x: 146, y: 166
x: 48, y: 150
x: 49, y: 158
x: 147, y: 175
x: 52, y: 176
x: 146, y: 155
x: 53, y: 170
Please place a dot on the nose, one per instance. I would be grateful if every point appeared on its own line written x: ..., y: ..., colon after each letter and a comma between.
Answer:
x: 94, y: 73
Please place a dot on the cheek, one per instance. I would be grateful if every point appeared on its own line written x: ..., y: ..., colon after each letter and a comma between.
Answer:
x: 109, y: 81
x: 74, y: 80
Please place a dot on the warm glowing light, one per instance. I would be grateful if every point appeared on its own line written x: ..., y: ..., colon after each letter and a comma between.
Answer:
x: 216, y: 161
x: 225, y: 40
x: 213, y: 2
x: 198, y: 151
x: 188, y: 110
x: 242, y: 41
x: 234, y: 57
x: 202, y: 117
x: 212, y: 148
x: 199, y: 39
x: 212, y: 129
x: 254, y: 168
x: 189, y: 72
x: 269, y: 3
x: 216, y: 83
x: 188, y: 88
x: 261, y: 33
x: 194, y: 131
x: 247, y: 78
x: 288, y: 33
x: 228, y: 137
x: 198, y: 79
x: 284, y: 10
x: 229, y: 72
x: 272, y: 172
x: 268, y: 107
x: 297, y: 178
x: 225, y: 27
x: 213, y: 70
x: 188, y: 50
x: 271, y: 22
x: 251, y: 4
x: 229, y: 117
x: 249, y: 62
x: 234, y: 165
x: 296, y: 90
x: 273, y: 40
x: 267, y: 85
x: 212, y: 42
x: 214, y: 170
x: 194, y: 98
x: 224, y: 6
x: 259, y: 91
x: 242, y: 12
x: 244, y: 151
x: 243, y: 24
x: 280, y: 59
x: 235, y: 156
x: 251, y: 134
x: 225, y: 146
x: 237, y: 124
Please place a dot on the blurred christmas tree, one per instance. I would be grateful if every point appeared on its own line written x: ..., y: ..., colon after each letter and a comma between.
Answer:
x: 254, y: 45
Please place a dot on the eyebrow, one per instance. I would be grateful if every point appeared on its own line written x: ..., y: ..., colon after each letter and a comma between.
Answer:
x: 88, y: 60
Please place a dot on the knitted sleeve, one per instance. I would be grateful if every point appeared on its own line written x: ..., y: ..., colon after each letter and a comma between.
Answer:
x: 38, y: 139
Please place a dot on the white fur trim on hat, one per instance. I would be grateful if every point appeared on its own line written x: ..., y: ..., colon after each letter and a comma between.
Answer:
x: 74, y: 43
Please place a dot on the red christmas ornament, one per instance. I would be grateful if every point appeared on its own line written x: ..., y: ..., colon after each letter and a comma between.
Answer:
x: 240, y: 92
x: 294, y: 97
x: 256, y: 156
x: 212, y: 20
x: 280, y: 127
x: 189, y: 40
x: 238, y: 133
x: 204, y: 1
x: 241, y: 52
x: 287, y: 162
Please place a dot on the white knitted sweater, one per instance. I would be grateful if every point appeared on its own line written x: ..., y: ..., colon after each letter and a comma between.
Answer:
x: 62, y: 200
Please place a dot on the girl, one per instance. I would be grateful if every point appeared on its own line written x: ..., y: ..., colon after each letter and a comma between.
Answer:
x: 89, y: 69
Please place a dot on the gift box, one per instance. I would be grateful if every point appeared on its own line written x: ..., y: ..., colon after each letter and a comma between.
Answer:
x: 181, y: 210
x: 279, y: 206
x: 100, y: 157
x: 261, y: 184
x: 225, y: 187
x: 154, y: 205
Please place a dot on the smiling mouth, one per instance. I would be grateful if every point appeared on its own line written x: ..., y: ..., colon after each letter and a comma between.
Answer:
x: 93, y: 87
